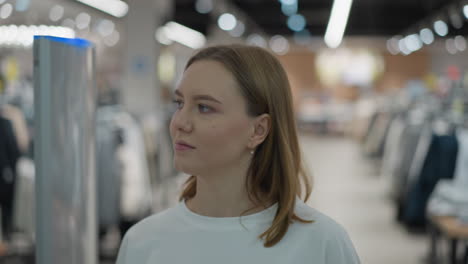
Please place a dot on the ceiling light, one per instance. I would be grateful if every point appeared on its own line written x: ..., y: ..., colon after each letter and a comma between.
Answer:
x: 427, y: 37
x: 302, y: 37
x: 204, y: 6
x: 112, y: 39
x: 460, y: 43
x: 402, y: 47
x: 413, y: 43
x: 162, y: 37
x: 392, y: 46
x: 238, y: 30
x: 256, y: 40
x: 184, y: 35
x: 22, y: 5
x: 450, y: 45
x: 24, y: 35
x: 105, y: 27
x: 83, y: 20
x: 69, y: 23
x: 337, y: 23
x: 115, y: 8
x: 279, y: 44
x: 227, y: 21
x: 441, y: 28
x: 56, y: 13
x: 296, y: 22
x: 6, y: 11
x: 455, y: 18
x: 288, y: 2
x: 289, y: 9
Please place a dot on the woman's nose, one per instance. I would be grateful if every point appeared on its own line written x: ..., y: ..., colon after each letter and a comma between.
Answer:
x: 182, y: 121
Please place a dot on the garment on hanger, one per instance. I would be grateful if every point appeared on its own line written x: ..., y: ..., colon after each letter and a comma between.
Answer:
x: 108, y: 170
x: 9, y: 155
x: 136, y: 190
x: 439, y: 164
x: 461, y: 171
x: 20, y: 127
x: 25, y: 199
x: 408, y: 147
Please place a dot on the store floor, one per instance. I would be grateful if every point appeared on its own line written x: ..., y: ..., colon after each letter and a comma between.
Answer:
x: 348, y: 188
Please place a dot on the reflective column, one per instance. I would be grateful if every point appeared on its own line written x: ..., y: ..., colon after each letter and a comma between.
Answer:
x: 65, y: 105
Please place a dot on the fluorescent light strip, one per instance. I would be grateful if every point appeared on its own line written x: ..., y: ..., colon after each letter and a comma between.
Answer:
x: 184, y: 35
x: 24, y: 35
x: 337, y: 23
x: 115, y: 8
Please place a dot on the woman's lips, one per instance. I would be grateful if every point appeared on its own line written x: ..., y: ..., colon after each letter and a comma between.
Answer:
x: 179, y: 146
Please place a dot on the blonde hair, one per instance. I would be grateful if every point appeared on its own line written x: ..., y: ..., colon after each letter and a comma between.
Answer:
x: 276, y: 165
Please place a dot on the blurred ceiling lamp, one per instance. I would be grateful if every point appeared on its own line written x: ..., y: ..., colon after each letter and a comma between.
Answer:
x: 455, y: 17
x: 256, y: 40
x: 402, y: 47
x: 450, y: 46
x: 289, y: 7
x: 460, y: 43
x: 426, y: 36
x: 6, y: 11
x: 302, y: 37
x: 337, y: 23
x: 204, y: 6
x: 392, y: 46
x: 22, y: 5
x: 441, y: 28
x: 56, y: 13
x: 13, y: 35
x: 279, y: 44
x: 465, y: 11
x: 296, y: 22
x: 227, y: 21
x: 182, y: 34
x: 115, y: 8
x: 238, y: 30
x: 413, y: 42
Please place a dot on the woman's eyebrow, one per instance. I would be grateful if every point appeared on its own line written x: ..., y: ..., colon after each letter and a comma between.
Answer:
x: 199, y: 97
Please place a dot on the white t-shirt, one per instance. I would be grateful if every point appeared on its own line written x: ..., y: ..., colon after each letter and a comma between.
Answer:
x: 180, y: 236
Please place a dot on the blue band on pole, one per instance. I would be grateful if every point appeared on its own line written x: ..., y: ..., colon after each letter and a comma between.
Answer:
x: 70, y: 41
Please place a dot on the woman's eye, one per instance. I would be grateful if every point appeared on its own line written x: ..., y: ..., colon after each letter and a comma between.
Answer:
x: 204, y: 108
x: 177, y: 102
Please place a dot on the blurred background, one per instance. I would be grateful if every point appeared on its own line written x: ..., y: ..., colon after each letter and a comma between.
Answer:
x: 380, y: 92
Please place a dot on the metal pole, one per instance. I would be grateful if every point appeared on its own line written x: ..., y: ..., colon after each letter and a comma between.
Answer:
x: 65, y: 105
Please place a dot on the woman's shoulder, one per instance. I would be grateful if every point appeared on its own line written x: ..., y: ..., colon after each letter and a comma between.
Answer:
x: 322, y: 223
x: 158, y: 222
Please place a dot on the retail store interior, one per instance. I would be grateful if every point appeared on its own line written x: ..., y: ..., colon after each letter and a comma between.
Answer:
x: 380, y: 97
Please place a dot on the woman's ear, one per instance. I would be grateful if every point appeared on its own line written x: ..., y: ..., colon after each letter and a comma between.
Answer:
x: 262, y: 126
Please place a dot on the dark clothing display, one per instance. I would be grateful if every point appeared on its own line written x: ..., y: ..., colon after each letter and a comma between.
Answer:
x: 9, y: 155
x: 439, y: 164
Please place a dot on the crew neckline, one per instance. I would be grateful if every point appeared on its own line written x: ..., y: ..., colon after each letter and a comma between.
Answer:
x: 266, y: 215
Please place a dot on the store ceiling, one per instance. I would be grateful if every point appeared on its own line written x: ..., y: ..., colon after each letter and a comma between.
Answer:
x: 367, y: 17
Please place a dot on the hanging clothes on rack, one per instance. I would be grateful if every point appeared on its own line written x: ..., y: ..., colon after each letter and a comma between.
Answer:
x: 20, y: 127
x: 450, y: 197
x: 9, y: 155
x: 24, y: 200
x: 461, y: 171
x: 136, y: 186
x: 439, y: 163
x: 375, y: 140
x: 108, y: 139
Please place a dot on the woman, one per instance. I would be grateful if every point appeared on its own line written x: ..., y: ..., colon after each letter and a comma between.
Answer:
x: 234, y: 133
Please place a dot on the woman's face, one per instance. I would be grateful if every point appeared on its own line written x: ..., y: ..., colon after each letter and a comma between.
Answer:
x: 211, y: 116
